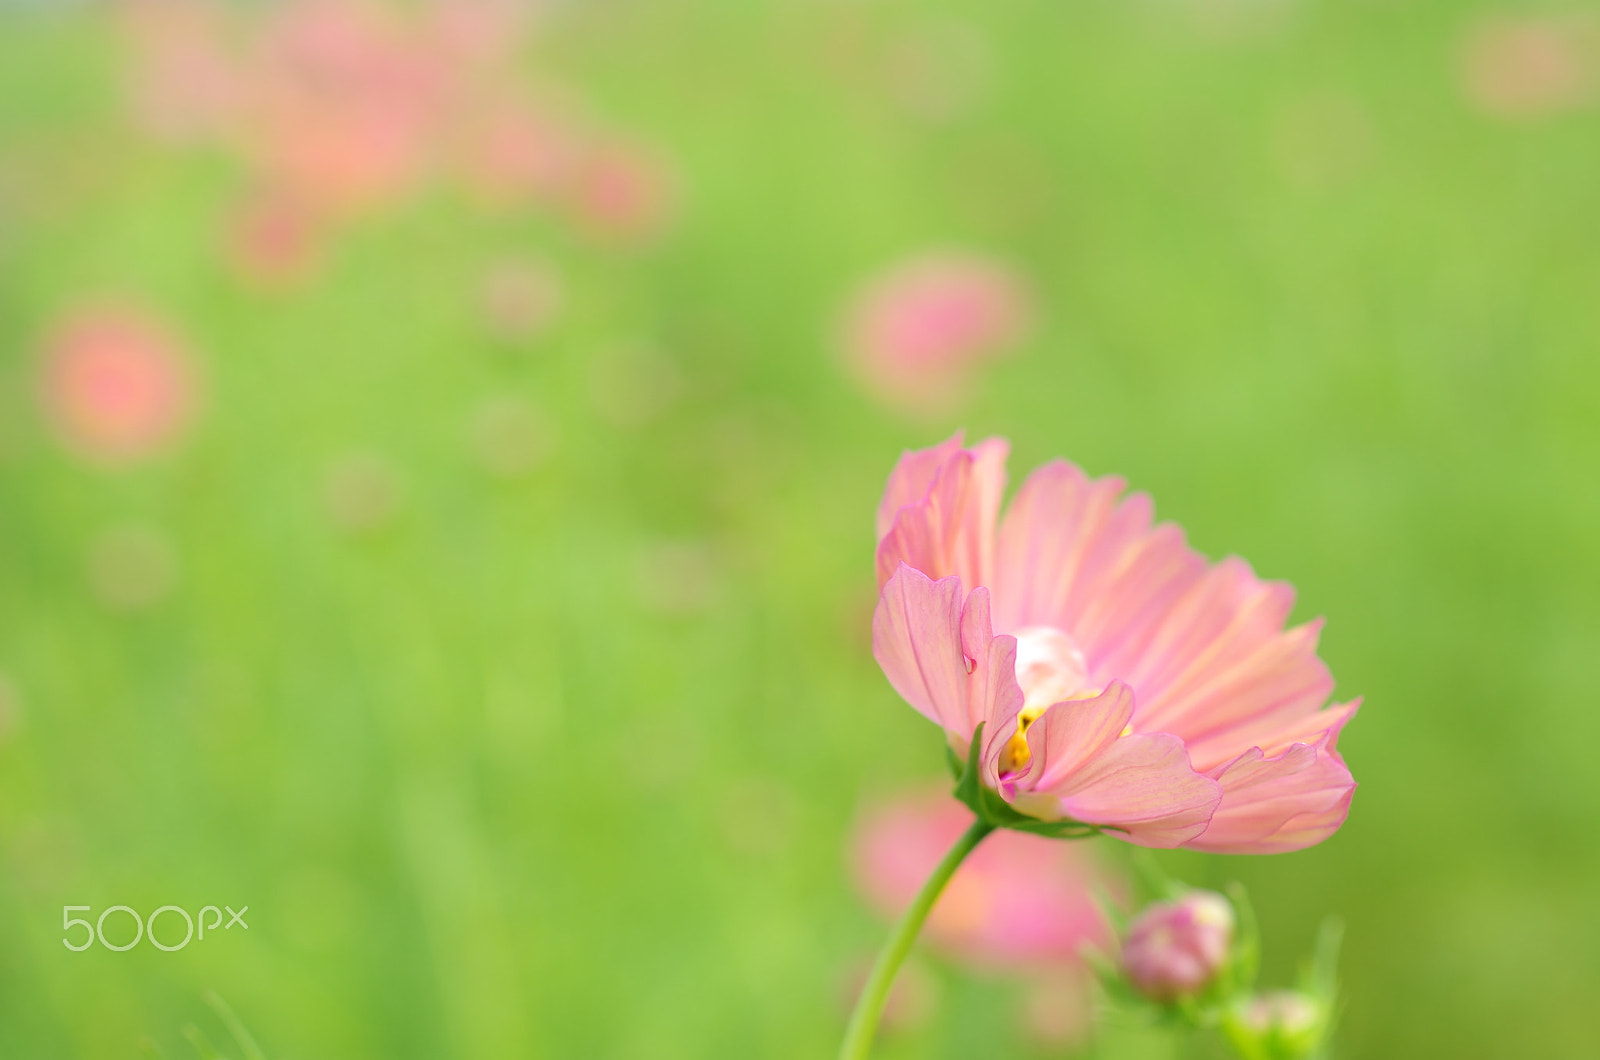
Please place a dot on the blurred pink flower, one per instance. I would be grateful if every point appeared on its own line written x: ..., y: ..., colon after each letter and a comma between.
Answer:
x: 116, y: 382
x: 1058, y: 1008
x: 510, y: 152
x: 915, y: 333
x: 479, y: 34
x: 363, y: 493
x: 1527, y: 66
x: 522, y: 297
x: 621, y: 192
x: 132, y: 567
x: 939, y: 69
x: 184, y: 83
x: 348, y: 106
x: 1132, y: 684
x: 273, y: 240
x: 1018, y: 901
x: 344, y: 102
x: 511, y: 436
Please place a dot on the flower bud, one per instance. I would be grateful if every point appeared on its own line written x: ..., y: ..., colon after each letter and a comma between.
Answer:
x: 1278, y: 1024
x: 1175, y: 949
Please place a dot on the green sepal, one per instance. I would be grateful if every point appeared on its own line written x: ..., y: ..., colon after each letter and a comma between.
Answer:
x: 993, y: 810
x: 968, y: 785
x: 953, y: 760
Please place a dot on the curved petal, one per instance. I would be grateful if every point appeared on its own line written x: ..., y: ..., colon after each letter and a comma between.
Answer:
x: 1071, y: 732
x: 916, y: 638
x: 949, y: 528
x: 1069, y: 555
x: 1048, y: 533
x: 994, y: 695
x: 1087, y: 768
x: 1291, y: 800
x: 1219, y: 661
x: 912, y: 477
x: 1225, y: 706
x: 1203, y: 646
x: 943, y: 657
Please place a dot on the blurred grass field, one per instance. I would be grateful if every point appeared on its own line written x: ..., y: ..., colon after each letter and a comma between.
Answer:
x: 562, y: 763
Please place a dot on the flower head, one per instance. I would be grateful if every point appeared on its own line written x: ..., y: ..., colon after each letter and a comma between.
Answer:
x: 1176, y: 949
x: 1119, y: 679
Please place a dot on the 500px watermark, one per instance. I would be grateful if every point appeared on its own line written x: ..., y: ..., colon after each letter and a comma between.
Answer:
x: 144, y: 928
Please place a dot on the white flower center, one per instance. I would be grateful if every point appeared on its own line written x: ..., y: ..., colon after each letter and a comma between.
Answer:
x: 1051, y: 669
x: 1050, y: 666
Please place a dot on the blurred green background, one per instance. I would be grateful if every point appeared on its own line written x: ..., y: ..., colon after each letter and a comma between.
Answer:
x: 557, y: 757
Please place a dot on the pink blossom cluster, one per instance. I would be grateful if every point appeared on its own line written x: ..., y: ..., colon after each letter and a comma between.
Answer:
x: 339, y: 107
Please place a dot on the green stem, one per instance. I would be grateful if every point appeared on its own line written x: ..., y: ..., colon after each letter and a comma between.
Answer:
x: 869, y: 1007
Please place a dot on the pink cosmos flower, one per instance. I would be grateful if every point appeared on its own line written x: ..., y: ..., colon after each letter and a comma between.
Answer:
x: 1018, y: 900
x: 915, y: 333
x: 116, y: 383
x: 1121, y: 680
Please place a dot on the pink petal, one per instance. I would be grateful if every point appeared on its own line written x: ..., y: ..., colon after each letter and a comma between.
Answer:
x: 1143, y: 783
x: 1069, y: 556
x: 1221, y: 618
x: 1218, y: 664
x: 943, y: 658
x: 912, y: 477
x: 916, y: 638
x: 1292, y: 800
x: 994, y: 695
x: 950, y: 528
x: 1052, y: 525
x: 1069, y: 734
x: 1203, y: 647
x: 1222, y: 709
x: 1086, y: 770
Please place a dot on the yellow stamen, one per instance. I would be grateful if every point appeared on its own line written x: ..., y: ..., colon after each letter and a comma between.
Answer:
x: 1016, y: 754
